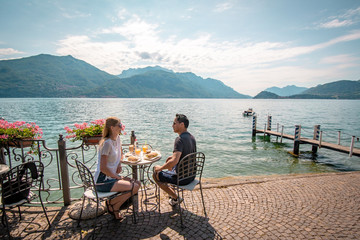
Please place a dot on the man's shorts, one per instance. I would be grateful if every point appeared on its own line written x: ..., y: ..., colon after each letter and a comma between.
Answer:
x: 103, y: 184
x: 171, y: 177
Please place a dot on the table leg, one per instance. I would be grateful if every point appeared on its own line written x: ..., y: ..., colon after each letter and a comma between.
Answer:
x: 135, y: 197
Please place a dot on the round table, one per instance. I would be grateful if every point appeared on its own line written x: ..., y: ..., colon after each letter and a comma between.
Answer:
x: 144, y: 166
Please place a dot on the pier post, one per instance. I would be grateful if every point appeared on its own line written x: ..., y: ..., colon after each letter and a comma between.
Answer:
x: 352, y: 146
x: 269, y: 123
x: 64, y: 170
x: 297, y: 139
x: 320, y: 140
x: 339, y: 132
x: 277, y: 130
x: 282, y: 133
x: 316, y: 137
x: 254, y: 126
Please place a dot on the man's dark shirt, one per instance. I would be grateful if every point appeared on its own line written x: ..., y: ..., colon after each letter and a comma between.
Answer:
x: 186, y: 144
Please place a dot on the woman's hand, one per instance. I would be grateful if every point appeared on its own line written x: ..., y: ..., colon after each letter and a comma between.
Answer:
x: 119, y: 169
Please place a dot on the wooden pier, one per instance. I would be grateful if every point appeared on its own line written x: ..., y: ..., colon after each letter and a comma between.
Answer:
x: 316, y: 142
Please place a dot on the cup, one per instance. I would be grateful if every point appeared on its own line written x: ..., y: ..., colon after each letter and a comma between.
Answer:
x: 144, y: 148
x: 131, y: 148
x: 137, y: 151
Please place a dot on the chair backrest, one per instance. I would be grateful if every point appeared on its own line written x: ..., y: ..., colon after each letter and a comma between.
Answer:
x: 18, y: 181
x: 85, y: 175
x: 191, y: 166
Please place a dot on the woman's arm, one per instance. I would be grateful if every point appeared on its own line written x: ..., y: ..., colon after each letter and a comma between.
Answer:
x: 104, y: 169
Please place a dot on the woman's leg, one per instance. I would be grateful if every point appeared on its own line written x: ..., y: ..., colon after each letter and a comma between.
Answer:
x: 122, y: 186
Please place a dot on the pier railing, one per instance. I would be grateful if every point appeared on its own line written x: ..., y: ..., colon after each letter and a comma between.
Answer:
x: 316, y: 137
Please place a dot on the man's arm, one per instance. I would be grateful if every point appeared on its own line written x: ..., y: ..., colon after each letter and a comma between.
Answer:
x: 170, y: 162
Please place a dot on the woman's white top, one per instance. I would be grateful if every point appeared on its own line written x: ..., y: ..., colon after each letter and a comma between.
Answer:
x: 112, y: 149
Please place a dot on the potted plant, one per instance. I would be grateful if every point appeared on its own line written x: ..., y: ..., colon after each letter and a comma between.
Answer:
x: 90, y: 134
x: 11, y: 134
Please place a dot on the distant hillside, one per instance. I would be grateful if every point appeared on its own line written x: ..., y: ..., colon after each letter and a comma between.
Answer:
x: 49, y: 76
x: 52, y: 76
x: 286, y: 91
x: 137, y: 71
x: 266, y: 95
x: 343, y: 89
x: 166, y: 84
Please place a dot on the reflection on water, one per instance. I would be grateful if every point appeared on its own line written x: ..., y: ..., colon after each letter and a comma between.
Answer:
x: 221, y: 131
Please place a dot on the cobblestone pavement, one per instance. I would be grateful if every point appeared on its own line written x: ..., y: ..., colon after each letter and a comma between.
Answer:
x: 306, y: 206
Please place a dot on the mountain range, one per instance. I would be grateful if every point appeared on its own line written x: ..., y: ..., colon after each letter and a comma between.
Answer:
x: 64, y: 76
x: 286, y: 91
x: 343, y: 89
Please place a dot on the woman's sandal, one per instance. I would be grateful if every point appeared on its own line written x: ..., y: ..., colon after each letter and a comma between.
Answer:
x: 107, y: 202
x: 117, y: 215
x: 113, y: 212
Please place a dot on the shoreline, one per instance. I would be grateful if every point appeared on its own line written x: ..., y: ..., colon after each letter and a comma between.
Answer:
x: 255, y: 179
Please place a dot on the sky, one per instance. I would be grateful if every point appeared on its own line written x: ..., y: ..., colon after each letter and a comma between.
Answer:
x: 249, y: 45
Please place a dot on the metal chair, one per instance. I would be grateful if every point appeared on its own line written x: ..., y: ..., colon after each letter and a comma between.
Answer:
x: 22, y: 184
x: 189, y: 167
x: 91, y: 193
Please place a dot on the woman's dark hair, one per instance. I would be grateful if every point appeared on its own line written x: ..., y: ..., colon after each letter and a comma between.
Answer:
x: 181, y: 118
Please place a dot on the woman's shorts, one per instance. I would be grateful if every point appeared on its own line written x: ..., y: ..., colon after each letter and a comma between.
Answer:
x: 103, y: 184
x: 171, y: 177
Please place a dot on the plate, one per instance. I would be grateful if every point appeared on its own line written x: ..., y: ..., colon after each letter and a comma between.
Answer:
x: 127, y: 160
x: 150, y: 159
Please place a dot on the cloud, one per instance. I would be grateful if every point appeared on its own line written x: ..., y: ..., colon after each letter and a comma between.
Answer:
x: 221, y: 7
x: 336, y: 23
x: 350, y: 17
x: 8, y: 51
x: 229, y: 61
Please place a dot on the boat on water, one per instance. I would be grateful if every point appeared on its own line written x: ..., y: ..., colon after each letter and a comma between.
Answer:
x: 249, y: 112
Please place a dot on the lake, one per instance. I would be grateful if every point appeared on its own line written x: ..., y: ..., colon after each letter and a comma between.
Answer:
x: 221, y: 131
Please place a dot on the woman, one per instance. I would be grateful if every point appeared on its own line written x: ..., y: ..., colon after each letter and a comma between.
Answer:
x: 109, y: 166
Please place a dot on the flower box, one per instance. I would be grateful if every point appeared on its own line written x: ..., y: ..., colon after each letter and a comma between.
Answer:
x: 92, y: 140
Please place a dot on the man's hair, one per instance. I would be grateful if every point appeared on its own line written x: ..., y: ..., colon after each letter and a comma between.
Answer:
x: 181, y: 118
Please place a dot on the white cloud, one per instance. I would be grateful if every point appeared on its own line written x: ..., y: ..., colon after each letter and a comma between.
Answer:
x: 336, y: 23
x: 351, y: 17
x: 221, y: 7
x: 8, y: 51
x: 233, y: 63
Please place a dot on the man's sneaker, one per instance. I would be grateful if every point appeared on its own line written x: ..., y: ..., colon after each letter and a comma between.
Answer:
x: 173, y: 202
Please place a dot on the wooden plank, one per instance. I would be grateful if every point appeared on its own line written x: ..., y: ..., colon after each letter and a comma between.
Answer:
x: 332, y: 146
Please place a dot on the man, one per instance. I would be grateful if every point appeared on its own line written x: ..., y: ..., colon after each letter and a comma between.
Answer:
x: 184, y: 144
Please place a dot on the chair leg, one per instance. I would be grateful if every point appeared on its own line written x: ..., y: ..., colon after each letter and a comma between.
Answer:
x: 44, y: 210
x: 5, y: 222
x: 180, y: 210
x: 82, y: 206
x: 202, y: 198
x: 19, y: 212
x: 96, y: 213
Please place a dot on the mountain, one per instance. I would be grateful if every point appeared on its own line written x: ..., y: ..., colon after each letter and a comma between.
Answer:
x: 266, y: 95
x: 137, y: 71
x: 53, y: 76
x: 166, y: 84
x: 49, y: 76
x: 286, y: 91
x: 343, y: 89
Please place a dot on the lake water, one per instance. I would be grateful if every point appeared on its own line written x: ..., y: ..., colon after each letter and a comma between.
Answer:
x: 221, y: 131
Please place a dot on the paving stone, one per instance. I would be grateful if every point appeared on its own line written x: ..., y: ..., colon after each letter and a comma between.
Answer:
x: 305, y: 206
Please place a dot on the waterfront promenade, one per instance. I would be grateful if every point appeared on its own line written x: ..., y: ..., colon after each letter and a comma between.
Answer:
x: 303, y: 206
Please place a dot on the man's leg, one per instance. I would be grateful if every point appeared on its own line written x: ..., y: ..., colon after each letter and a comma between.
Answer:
x: 164, y: 186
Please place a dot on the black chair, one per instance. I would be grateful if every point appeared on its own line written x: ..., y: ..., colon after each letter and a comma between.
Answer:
x: 22, y: 184
x: 91, y: 193
x: 189, y: 167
